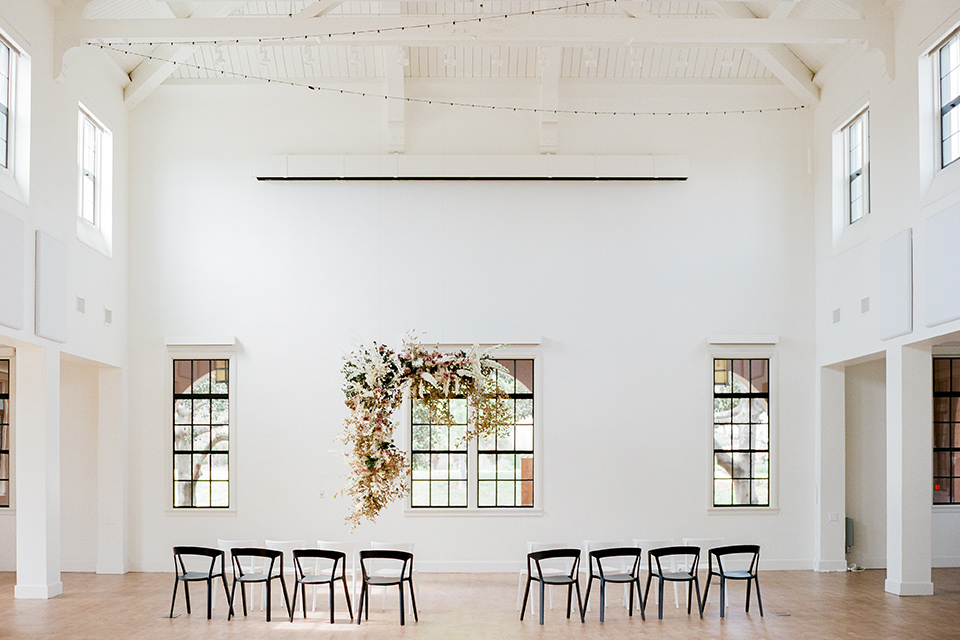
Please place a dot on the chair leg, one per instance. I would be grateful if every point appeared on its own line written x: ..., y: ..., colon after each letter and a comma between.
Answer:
x: 696, y: 583
x: 586, y: 598
x: 296, y: 588
x: 413, y: 600
x: 303, y: 599
x: 346, y: 594
x: 226, y: 593
x: 269, y: 597
x: 331, y: 588
x: 541, y: 601
x: 186, y: 593
x: 286, y: 596
x: 690, y: 597
x: 360, y: 609
x: 176, y: 583
x: 723, y: 596
x: 660, y: 599
x: 526, y: 592
x: 583, y: 612
x: 243, y: 598
x: 209, y: 598
x: 603, y: 598
x: 401, y: 602
x: 759, y: 601
x: 706, y: 590
x: 569, y: 598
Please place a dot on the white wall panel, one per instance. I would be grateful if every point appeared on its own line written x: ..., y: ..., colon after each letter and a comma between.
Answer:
x: 894, y: 285
x: 52, y: 266
x: 942, y: 266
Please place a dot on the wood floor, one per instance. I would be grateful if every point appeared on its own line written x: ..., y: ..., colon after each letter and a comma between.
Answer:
x: 797, y: 604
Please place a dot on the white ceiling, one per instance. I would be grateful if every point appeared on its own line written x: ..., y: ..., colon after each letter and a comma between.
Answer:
x: 628, y: 41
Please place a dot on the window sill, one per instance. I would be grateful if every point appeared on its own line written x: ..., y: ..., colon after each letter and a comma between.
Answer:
x: 740, y: 511
x: 946, y: 508
x: 943, y: 185
x: 470, y: 513
x: 201, y: 512
x: 92, y: 236
x: 7, y: 511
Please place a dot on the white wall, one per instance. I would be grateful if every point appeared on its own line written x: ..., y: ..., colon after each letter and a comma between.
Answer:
x: 865, y: 462
x: 78, y: 465
x: 905, y: 191
x: 624, y: 281
x: 52, y: 205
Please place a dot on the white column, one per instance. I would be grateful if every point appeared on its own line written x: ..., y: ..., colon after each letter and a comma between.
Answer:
x: 37, y: 486
x: 112, y: 473
x: 831, y: 472
x: 909, y: 470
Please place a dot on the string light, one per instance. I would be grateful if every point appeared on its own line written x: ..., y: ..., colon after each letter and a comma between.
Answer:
x: 447, y: 103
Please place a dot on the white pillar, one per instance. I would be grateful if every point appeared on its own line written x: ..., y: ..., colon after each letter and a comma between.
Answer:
x: 909, y: 470
x: 831, y: 472
x: 37, y: 415
x: 112, y: 473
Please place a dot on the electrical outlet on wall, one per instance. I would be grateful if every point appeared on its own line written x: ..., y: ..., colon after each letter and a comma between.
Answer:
x: 322, y: 494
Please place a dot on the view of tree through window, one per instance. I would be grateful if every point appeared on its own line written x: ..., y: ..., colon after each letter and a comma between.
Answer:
x: 741, y: 432
x: 504, y: 465
x: 201, y: 433
x: 4, y: 433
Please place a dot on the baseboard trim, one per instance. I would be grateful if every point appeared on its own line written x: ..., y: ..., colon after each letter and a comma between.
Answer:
x: 908, y: 588
x: 37, y: 591
x: 828, y: 566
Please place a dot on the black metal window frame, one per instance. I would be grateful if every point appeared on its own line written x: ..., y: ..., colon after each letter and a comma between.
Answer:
x: 752, y: 455
x: 5, y: 432
x: 440, y: 461
x: 439, y: 458
x: 946, y: 430
x: 187, y: 455
x: 950, y: 100
x: 861, y: 172
x: 509, y: 475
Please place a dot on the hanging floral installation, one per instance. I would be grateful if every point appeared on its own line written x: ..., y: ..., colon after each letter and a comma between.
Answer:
x: 377, y: 379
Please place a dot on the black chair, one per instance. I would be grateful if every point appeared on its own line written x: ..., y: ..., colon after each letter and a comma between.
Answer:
x: 405, y: 574
x: 247, y: 556
x: 689, y: 575
x: 632, y: 577
x: 186, y: 577
x: 720, y: 553
x: 321, y: 576
x: 571, y: 579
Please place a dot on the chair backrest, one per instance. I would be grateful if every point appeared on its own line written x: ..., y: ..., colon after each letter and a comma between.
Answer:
x: 349, y: 550
x: 549, y: 566
x: 271, y: 560
x: 647, y: 544
x: 383, y: 566
x: 746, y: 554
x: 182, y: 558
x: 663, y: 554
x: 286, y: 547
x: 227, y: 545
x: 613, y: 564
x: 616, y: 560
x: 332, y: 562
x: 391, y: 556
x: 570, y: 557
x: 703, y: 543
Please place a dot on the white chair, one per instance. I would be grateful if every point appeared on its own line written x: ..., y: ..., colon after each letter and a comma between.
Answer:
x: 349, y: 569
x: 225, y: 546
x: 547, y: 568
x: 705, y: 545
x: 611, y: 565
x: 645, y: 545
x: 391, y: 570
x: 287, y: 547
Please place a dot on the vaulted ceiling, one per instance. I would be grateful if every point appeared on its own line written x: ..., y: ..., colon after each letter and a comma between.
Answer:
x: 796, y: 43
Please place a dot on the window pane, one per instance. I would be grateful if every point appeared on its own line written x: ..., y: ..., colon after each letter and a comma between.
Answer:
x: 201, y: 433
x: 741, y: 432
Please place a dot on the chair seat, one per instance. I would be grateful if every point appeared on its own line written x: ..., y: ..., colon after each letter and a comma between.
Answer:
x: 557, y: 580
x: 381, y: 581
x: 310, y: 579
x: 737, y: 575
x: 679, y: 576
x: 615, y: 577
x: 190, y: 576
x: 252, y: 577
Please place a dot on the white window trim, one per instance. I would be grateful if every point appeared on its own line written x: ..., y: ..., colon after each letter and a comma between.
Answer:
x: 936, y: 182
x: 847, y: 235
x: 529, y: 352
x: 97, y: 236
x: 10, y: 354
x: 15, y: 178
x: 741, y: 351
x: 180, y: 349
